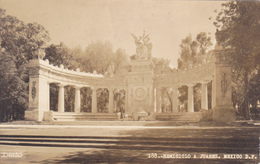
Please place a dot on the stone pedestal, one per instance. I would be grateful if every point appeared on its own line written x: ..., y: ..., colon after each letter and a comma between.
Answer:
x: 140, y: 87
x: 39, y: 100
x: 223, y: 110
x: 224, y: 114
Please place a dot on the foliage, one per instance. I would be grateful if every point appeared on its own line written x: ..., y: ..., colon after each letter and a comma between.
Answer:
x: 238, y: 32
x: 59, y: 54
x: 161, y: 66
x: 13, y: 95
x: 19, y: 43
x: 98, y: 57
x: 193, y: 52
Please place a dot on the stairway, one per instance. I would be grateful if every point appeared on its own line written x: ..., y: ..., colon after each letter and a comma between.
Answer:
x: 185, y: 144
x: 71, y: 116
x: 187, y: 116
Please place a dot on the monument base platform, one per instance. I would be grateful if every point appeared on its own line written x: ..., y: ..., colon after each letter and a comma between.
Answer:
x: 187, y: 116
x: 72, y: 116
x: 31, y: 115
x: 224, y: 114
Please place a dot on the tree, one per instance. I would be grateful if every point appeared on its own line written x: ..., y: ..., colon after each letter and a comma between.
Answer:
x: 161, y: 66
x: 100, y: 57
x: 19, y: 43
x: 59, y: 54
x: 238, y: 25
x: 193, y: 52
x: 97, y: 57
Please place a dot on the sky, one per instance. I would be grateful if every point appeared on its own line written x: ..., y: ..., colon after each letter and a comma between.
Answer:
x: 79, y: 22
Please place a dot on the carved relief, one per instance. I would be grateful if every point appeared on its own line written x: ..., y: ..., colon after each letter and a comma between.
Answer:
x: 33, y: 90
x: 224, y: 84
x: 140, y: 79
x: 139, y: 93
x: 34, y: 70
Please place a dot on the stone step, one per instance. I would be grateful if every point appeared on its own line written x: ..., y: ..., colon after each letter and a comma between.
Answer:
x: 85, y: 119
x: 79, y: 116
x: 188, y: 116
x: 71, y: 116
x: 212, y: 145
x: 83, y: 114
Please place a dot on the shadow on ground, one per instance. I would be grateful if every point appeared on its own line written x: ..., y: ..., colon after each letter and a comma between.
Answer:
x: 125, y: 156
x: 141, y: 156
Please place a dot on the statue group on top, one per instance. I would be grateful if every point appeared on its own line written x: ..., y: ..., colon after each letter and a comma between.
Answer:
x: 143, y: 47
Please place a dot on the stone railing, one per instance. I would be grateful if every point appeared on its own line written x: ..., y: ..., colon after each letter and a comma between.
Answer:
x: 56, y: 74
x: 197, y: 74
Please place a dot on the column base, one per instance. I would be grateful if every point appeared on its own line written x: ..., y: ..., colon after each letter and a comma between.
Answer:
x: 34, y: 115
x: 48, y: 116
x: 224, y: 114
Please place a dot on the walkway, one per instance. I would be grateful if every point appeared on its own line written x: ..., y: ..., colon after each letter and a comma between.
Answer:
x: 130, y: 144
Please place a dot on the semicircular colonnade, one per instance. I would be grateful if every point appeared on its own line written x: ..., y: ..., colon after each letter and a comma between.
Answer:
x: 142, y: 87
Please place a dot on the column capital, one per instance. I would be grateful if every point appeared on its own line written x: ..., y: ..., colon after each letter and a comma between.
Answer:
x: 191, y: 85
x: 61, y: 85
x: 174, y: 87
x: 110, y: 89
x: 77, y: 86
x: 94, y: 88
x: 204, y: 81
x: 158, y: 88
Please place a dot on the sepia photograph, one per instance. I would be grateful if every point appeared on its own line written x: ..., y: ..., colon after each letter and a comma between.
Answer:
x: 129, y: 81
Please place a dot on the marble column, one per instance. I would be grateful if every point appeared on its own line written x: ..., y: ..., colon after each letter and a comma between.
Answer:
x: 204, y: 95
x: 190, y: 99
x: 111, y: 100
x: 213, y: 93
x: 77, y: 99
x: 94, y: 100
x: 48, y: 96
x: 154, y: 100
x: 158, y: 100
x: 175, y: 100
x: 61, y: 98
x: 126, y: 101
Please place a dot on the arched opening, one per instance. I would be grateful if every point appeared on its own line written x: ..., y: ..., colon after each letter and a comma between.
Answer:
x: 54, y: 91
x: 86, y: 99
x: 183, y: 98
x: 119, y: 100
x: 69, y: 98
x: 166, y: 100
x: 197, y: 97
x: 102, y: 100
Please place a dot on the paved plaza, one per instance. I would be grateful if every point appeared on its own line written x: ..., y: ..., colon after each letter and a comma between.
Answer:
x: 193, y: 143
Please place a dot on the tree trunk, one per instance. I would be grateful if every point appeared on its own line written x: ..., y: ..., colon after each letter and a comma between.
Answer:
x: 246, y: 99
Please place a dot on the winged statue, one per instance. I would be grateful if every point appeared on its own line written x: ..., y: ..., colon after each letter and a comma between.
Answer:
x: 143, y: 46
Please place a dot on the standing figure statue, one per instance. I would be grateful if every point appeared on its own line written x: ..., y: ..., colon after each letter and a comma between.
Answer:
x: 143, y: 46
